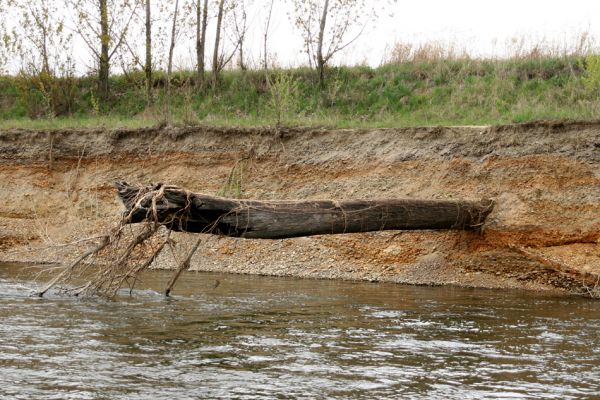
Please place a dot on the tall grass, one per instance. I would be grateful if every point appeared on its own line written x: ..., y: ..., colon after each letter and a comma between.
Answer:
x: 427, y: 84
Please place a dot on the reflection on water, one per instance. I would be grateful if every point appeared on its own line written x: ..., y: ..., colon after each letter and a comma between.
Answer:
x: 257, y: 338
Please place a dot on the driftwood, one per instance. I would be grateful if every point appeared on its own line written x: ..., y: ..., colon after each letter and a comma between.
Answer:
x: 122, y: 254
x: 181, y: 210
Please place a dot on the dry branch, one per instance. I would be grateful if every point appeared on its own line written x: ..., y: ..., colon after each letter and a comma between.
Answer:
x: 183, y: 266
x: 71, y: 268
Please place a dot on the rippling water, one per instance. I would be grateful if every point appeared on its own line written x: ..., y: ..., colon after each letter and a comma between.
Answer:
x: 258, y: 338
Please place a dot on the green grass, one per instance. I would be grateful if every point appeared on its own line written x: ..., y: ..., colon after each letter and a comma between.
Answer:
x: 76, y: 123
x: 424, y: 93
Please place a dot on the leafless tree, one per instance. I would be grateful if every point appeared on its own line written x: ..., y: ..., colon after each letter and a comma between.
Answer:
x: 266, y: 35
x: 221, y: 56
x: 216, y: 63
x: 148, y: 64
x: 238, y: 20
x: 103, y: 26
x: 147, y: 52
x: 329, y: 26
x: 201, y: 21
x: 170, y: 60
x: 180, y: 17
x: 172, y: 44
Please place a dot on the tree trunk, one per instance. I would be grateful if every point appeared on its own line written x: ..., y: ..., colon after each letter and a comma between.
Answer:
x: 216, y: 66
x: 45, y: 58
x: 241, y: 63
x: 181, y: 210
x: 201, y: 20
x: 148, y: 66
x: 170, y: 62
x: 103, y: 68
x: 266, y: 37
x: 320, y: 58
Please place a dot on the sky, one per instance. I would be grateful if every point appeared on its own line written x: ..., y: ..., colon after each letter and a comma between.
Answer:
x: 484, y: 28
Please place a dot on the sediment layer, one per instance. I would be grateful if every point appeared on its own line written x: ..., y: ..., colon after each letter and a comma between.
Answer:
x: 543, y: 234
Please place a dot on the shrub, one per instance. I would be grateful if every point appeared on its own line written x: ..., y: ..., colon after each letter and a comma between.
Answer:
x: 592, y: 72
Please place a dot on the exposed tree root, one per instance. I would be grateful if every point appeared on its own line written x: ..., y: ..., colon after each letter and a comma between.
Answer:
x: 120, y: 256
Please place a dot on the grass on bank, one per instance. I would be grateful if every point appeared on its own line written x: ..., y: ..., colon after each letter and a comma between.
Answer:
x: 398, y: 94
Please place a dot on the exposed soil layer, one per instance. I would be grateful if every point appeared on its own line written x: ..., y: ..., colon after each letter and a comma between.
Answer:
x: 544, y: 232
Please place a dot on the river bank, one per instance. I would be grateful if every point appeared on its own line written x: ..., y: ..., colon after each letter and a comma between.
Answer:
x: 543, y: 234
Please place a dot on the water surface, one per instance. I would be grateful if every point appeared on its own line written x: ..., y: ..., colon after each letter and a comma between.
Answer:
x: 260, y: 338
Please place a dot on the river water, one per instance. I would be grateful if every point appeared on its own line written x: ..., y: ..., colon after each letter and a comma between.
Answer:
x: 247, y: 337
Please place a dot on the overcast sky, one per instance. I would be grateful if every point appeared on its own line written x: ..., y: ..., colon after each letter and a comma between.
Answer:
x: 483, y: 27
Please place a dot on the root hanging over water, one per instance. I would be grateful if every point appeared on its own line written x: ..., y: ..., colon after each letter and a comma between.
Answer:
x: 116, y: 260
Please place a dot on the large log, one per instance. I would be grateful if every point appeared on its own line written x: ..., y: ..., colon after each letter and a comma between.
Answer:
x: 182, y: 210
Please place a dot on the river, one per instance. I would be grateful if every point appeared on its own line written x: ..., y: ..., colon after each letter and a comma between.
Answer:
x: 250, y: 337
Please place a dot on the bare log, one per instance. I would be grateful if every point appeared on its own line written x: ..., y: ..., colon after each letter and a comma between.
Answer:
x: 181, y: 210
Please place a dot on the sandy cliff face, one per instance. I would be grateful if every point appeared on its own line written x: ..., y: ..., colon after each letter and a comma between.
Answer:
x: 544, y: 232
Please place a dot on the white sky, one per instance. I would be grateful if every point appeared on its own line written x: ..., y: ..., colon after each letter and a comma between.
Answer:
x: 483, y: 27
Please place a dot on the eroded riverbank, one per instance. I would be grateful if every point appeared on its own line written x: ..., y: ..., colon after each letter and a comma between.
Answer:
x: 544, y: 231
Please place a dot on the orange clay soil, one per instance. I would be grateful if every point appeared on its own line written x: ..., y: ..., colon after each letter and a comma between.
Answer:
x: 544, y: 232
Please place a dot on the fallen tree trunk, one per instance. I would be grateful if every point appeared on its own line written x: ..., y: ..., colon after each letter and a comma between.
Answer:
x: 182, y: 210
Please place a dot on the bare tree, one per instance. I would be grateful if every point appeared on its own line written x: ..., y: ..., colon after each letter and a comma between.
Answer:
x: 170, y: 61
x: 201, y: 21
x: 221, y: 56
x: 266, y: 36
x: 103, y: 26
x: 239, y: 23
x: 178, y: 21
x: 147, y: 52
x: 172, y: 45
x: 216, y: 64
x: 148, y: 64
x: 329, y: 26
x: 104, y: 56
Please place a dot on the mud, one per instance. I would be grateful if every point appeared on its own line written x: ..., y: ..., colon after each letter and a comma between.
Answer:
x: 543, y: 234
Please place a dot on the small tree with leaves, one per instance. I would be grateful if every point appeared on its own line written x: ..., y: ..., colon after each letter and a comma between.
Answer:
x: 283, y: 90
x: 41, y: 43
x: 5, y: 41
